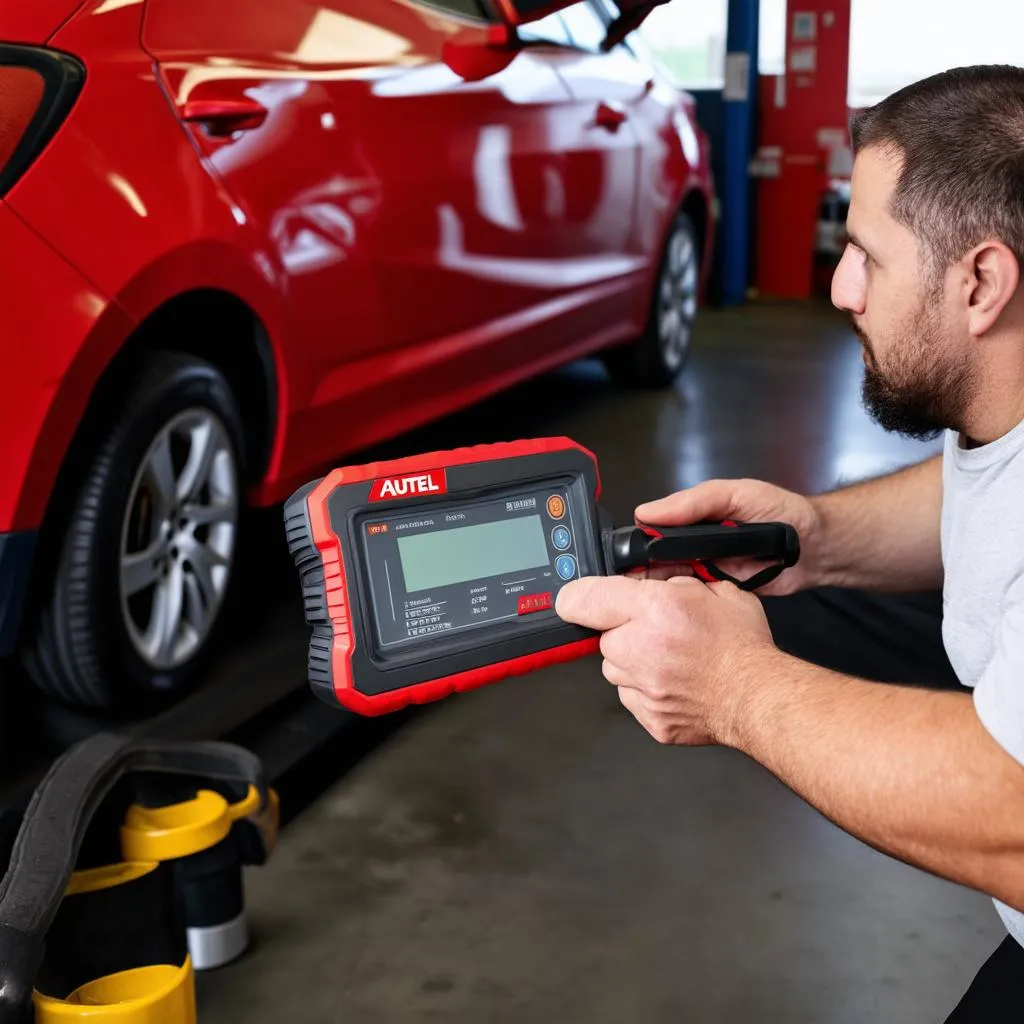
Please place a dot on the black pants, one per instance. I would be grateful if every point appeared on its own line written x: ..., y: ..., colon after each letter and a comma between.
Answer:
x: 895, y: 639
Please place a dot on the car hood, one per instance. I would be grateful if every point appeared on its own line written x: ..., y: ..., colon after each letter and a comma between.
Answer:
x: 34, y: 21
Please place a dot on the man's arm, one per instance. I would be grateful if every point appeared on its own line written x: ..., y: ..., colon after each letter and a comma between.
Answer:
x: 912, y: 772
x: 882, y: 534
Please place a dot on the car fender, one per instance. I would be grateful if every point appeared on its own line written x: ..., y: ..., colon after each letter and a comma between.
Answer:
x: 159, y: 225
x: 200, y: 265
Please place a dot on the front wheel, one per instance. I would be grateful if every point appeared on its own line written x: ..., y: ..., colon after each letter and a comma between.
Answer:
x: 149, y: 547
x: 659, y: 355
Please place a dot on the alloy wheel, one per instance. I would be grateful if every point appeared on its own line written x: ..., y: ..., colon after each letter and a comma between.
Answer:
x: 178, y: 538
x: 677, y: 299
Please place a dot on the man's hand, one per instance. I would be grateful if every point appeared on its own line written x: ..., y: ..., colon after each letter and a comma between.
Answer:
x: 910, y: 771
x: 680, y: 652
x: 747, y: 501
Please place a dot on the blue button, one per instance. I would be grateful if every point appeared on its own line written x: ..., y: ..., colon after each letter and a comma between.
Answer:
x: 561, y: 537
x: 565, y: 566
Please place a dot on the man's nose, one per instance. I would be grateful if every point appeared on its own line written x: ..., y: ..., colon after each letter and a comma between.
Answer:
x: 848, y: 290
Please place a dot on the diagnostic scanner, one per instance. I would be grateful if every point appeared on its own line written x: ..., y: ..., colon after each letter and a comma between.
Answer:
x: 439, y: 573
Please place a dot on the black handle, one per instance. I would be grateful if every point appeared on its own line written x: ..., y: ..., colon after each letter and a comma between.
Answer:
x: 702, y: 544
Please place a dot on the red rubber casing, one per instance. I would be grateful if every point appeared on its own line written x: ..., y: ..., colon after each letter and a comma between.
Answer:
x: 328, y: 585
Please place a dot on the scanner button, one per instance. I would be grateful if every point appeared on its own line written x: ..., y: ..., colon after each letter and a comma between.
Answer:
x: 565, y: 566
x: 561, y: 538
x: 535, y: 603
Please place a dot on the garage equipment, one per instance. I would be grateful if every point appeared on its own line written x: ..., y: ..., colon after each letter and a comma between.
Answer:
x: 121, y: 842
x: 438, y: 573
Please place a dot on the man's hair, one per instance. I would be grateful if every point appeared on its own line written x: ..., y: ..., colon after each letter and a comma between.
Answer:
x: 960, y: 135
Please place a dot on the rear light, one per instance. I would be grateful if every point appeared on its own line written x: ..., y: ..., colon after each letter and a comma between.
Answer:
x: 37, y: 89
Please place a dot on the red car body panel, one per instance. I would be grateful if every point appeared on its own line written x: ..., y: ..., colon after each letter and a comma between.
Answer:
x: 37, y: 427
x: 410, y: 241
x: 35, y: 22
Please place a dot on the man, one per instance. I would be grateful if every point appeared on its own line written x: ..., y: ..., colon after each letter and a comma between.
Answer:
x: 932, y: 280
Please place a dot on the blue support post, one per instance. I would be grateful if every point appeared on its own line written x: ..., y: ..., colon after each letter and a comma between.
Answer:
x: 740, y: 108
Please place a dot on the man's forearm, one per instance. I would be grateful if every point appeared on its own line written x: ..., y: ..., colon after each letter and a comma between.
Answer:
x: 912, y: 772
x: 884, y: 534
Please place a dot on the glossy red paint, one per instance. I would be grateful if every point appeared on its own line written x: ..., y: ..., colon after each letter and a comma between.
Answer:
x: 34, y: 21
x: 409, y: 240
x: 38, y: 358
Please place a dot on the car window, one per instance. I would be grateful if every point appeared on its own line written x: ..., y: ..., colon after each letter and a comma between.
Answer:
x: 465, y: 8
x: 585, y: 27
x: 548, y: 30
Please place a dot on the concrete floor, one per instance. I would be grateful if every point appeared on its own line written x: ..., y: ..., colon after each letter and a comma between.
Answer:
x: 527, y: 854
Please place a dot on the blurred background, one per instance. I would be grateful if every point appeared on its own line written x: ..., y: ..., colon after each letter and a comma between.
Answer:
x: 343, y: 230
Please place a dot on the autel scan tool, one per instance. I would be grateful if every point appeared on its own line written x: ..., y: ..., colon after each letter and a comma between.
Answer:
x: 438, y: 573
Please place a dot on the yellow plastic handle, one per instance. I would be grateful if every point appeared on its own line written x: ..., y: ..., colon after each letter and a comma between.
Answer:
x: 147, y: 995
x: 179, y: 830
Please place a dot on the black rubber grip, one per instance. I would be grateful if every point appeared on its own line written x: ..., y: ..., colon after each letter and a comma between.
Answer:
x: 636, y: 547
x: 314, y: 595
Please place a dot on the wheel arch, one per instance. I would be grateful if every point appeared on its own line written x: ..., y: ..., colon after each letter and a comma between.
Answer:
x: 231, y: 336
x: 695, y: 206
x: 217, y: 326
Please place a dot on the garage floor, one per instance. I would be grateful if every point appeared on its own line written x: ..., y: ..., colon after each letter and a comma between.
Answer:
x: 527, y: 854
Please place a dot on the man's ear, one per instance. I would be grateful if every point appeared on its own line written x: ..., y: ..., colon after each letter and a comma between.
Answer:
x: 993, y: 276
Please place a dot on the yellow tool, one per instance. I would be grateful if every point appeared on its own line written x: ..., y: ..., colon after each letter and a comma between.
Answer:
x: 118, y: 943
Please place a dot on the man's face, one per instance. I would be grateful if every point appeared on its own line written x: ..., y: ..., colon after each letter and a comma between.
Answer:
x: 918, y: 375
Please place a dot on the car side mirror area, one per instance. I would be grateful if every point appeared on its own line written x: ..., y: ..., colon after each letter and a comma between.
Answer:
x: 631, y: 14
x: 477, y: 53
x: 521, y: 12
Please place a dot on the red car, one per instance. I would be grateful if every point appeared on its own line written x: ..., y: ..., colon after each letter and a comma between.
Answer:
x: 242, y: 238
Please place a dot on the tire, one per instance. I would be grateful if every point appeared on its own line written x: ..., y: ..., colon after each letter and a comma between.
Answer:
x: 147, y: 553
x: 658, y: 356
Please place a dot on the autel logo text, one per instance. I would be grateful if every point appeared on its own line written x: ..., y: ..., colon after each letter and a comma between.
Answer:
x: 415, y: 484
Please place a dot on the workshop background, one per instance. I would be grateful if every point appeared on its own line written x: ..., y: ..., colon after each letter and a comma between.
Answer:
x: 524, y: 852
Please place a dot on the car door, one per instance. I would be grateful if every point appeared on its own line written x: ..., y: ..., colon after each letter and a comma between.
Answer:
x: 470, y: 236
x: 597, y: 145
x: 601, y: 140
x: 604, y: 147
x: 256, y: 84
x: 672, y: 158
x: 409, y: 213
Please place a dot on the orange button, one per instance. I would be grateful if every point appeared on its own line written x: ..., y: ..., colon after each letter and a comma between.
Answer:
x: 556, y: 506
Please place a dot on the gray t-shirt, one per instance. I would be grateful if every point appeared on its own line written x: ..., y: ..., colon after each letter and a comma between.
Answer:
x: 983, y: 594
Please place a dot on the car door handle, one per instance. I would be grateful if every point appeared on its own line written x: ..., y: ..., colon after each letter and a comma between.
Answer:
x: 609, y: 118
x: 223, y: 117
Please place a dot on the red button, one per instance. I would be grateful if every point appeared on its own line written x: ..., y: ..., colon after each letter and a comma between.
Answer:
x: 534, y: 603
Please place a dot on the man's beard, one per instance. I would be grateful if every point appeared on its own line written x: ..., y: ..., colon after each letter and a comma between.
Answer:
x: 923, y: 388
